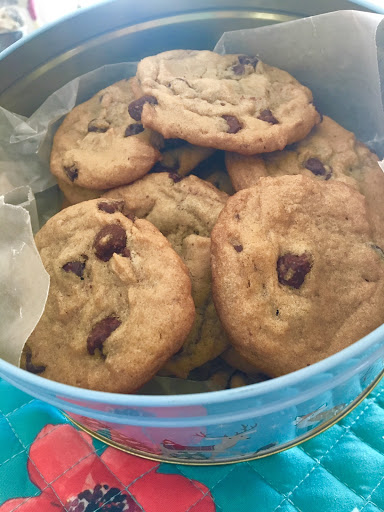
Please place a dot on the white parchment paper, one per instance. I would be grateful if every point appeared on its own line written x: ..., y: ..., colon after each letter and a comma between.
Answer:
x: 23, y: 281
x: 336, y: 56
x: 340, y: 56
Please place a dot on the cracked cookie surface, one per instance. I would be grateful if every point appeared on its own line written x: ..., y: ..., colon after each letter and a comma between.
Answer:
x: 329, y: 152
x: 297, y: 274
x: 231, y: 102
x: 99, y: 145
x: 185, y: 211
x: 119, y: 303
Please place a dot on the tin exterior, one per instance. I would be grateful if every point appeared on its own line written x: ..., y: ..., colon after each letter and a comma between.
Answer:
x: 223, y: 426
x: 253, y: 428
x: 208, y: 428
x: 215, y: 453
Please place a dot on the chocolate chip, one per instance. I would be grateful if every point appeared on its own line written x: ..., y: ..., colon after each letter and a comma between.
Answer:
x: 267, y: 116
x: 111, y: 239
x: 238, y: 69
x: 135, y: 108
x: 98, y: 126
x: 245, y: 59
x: 173, y: 144
x: 72, y: 172
x: 233, y: 124
x: 100, y: 332
x: 292, y: 269
x: 133, y: 129
x: 30, y: 367
x: 317, y: 168
x: 175, y: 177
x: 111, y: 207
x: 77, y: 267
x: 238, y: 248
x: 126, y: 253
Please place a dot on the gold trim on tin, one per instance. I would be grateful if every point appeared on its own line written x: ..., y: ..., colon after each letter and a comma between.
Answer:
x: 146, y: 25
x: 302, y: 439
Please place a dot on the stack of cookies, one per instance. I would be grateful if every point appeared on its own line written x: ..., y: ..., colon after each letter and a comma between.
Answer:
x: 265, y: 259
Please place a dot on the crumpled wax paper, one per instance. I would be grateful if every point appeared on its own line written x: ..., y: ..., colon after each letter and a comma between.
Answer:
x: 339, y: 55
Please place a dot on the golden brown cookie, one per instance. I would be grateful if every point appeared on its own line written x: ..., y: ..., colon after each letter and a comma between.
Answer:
x: 232, y: 357
x: 297, y: 273
x: 231, y: 102
x: 119, y: 303
x: 99, y: 145
x: 75, y: 194
x: 329, y: 152
x: 184, y: 210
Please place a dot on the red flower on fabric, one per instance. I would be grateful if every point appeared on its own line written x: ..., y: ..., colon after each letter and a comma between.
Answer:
x: 72, y: 477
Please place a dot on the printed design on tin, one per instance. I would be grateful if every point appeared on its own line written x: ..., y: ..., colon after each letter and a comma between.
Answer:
x: 189, y: 445
x: 125, y: 435
x: 63, y: 464
x: 319, y: 415
x: 207, y: 449
x: 143, y: 439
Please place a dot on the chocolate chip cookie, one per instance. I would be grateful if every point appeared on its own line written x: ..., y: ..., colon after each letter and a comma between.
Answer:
x: 75, y: 194
x: 99, y: 145
x: 328, y: 153
x: 297, y: 273
x: 119, y: 303
x: 179, y: 156
x: 231, y: 102
x: 232, y: 357
x: 184, y: 210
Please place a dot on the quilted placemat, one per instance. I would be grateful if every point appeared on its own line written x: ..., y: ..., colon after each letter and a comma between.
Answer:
x: 48, y: 465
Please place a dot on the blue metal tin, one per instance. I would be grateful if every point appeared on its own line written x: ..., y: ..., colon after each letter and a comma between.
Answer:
x: 216, y: 427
